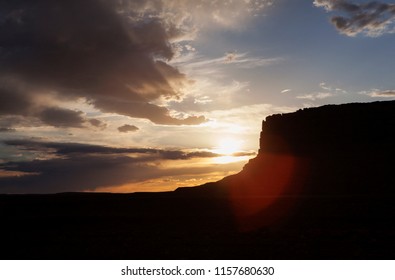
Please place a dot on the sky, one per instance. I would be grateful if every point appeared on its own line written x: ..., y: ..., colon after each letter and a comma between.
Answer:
x: 152, y: 95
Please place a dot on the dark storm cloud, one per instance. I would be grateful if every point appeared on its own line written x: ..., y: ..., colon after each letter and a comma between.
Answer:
x: 128, y: 128
x: 371, y: 18
x: 81, y: 167
x: 87, y: 49
x: 14, y: 101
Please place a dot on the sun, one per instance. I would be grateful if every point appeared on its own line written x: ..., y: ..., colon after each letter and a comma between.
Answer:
x: 228, y: 146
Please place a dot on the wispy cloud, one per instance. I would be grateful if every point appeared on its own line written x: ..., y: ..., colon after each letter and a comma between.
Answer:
x: 187, y: 15
x: 315, y: 96
x: 371, y: 19
x: 325, y: 91
x: 241, y: 60
x: 380, y: 93
x: 214, y: 84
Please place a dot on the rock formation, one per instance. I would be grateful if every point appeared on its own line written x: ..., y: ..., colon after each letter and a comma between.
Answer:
x: 326, y: 158
x: 343, y: 149
x: 321, y: 187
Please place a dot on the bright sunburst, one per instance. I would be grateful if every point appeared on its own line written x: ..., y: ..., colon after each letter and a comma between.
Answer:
x: 228, y: 146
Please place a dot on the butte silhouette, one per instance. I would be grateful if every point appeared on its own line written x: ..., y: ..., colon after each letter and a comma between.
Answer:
x: 321, y: 187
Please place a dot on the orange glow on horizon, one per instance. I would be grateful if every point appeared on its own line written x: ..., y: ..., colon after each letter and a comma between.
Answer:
x: 229, y: 159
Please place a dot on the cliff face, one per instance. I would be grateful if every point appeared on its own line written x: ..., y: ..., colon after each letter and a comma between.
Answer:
x: 347, y: 128
x: 336, y: 149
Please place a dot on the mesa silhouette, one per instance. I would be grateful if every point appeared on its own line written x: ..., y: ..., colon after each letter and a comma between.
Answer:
x: 321, y: 187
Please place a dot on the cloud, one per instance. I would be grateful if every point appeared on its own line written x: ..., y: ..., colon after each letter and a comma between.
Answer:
x: 213, y: 89
x: 55, y: 46
x: 371, y: 19
x: 154, y: 113
x: 315, y: 96
x: 246, y: 61
x: 14, y: 101
x: 59, y: 117
x: 230, y: 56
x: 380, y: 93
x: 114, y: 54
x: 242, y: 60
x: 324, y: 86
x: 98, y: 123
x: 7, y: 129
x: 128, y: 128
x: 325, y: 91
x: 82, y: 167
x: 67, y: 149
x: 286, y: 90
x: 188, y: 15
x: 18, y: 122
x: 77, y: 173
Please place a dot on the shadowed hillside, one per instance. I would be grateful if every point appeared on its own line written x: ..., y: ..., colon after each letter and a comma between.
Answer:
x: 322, y: 186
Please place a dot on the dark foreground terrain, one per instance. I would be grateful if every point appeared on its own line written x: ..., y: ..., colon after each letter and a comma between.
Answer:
x: 321, y: 187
